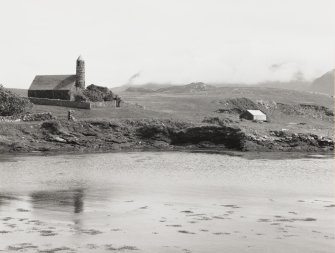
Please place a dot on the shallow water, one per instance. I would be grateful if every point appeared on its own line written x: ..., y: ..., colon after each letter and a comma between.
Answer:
x: 166, y: 202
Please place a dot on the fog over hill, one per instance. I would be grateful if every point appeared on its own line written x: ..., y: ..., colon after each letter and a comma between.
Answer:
x: 325, y: 83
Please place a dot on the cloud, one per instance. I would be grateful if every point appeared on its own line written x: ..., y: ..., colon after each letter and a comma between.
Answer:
x: 298, y: 76
x: 276, y: 66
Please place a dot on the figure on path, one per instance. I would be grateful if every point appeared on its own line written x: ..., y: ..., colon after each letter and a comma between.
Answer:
x: 118, y: 101
x: 70, y: 116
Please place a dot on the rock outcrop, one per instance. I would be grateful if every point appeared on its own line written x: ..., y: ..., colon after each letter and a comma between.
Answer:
x: 104, y: 136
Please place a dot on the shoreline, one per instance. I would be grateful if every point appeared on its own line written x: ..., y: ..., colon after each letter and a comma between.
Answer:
x: 102, y: 136
x: 249, y: 155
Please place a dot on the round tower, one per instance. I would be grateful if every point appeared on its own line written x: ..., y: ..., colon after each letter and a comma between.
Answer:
x: 80, y: 73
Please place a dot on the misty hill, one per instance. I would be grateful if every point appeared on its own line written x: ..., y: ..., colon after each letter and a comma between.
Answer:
x: 290, y: 85
x: 147, y: 87
x: 139, y: 89
x: 200, y: 86
x: 188, y: 88
x: 325, y: 83
x: 155, y: 86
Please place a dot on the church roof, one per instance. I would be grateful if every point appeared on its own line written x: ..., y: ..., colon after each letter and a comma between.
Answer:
x: 53, y: 82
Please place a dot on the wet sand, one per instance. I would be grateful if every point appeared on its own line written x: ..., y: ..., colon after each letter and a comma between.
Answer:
x: 142, y: 202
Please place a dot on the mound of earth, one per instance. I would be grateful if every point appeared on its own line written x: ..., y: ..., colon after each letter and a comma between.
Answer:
x: 237, y: 105
x: 302, y: 110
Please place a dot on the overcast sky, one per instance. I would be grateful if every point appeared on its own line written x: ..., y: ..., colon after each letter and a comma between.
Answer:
x: 175, y: 41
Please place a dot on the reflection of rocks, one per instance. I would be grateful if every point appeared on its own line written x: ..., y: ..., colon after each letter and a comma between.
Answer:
x: 21, y: 246
x: 47, y: 233
x: 5, y: 198
x: 55, y: 200
x: 123, y: 248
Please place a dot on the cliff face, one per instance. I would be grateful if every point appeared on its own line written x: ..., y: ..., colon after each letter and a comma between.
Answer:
x: 104, y: 136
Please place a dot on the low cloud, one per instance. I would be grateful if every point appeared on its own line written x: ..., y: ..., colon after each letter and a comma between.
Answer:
x: 276, y: 66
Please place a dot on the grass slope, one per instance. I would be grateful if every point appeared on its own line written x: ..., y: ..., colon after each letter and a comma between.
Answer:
x: 194, y: 107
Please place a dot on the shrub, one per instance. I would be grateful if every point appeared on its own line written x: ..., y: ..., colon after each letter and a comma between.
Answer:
x: 96, y: 93
x: 52, y: 126
x: 109, y: 96
x: 12, y: 104
x: 79, y: 96
x: 42, y: 116
x: 93, y: 87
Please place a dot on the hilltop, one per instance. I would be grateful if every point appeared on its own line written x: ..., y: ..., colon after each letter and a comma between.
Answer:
x: 188, y: 88
x: 325, y: 83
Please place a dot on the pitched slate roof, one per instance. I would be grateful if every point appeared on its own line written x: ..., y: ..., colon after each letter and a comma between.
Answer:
x: 53, y: 82
x: 255, y: 112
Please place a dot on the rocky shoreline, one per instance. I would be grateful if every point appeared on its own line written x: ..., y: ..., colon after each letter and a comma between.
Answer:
x: 118, y: 135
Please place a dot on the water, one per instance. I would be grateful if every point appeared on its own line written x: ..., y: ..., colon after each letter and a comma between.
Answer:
x: 166, y: 202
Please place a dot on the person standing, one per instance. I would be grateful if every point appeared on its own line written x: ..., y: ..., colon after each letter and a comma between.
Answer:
x: 118, y: 101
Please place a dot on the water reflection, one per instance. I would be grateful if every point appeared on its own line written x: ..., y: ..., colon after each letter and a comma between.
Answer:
x: 171, y: 199
x: 5, y: 199
x: 60, y: 200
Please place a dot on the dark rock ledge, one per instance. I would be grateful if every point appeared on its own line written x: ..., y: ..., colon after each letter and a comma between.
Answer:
x: 105, y: 136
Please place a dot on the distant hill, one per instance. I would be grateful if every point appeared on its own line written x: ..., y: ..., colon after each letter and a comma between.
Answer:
x: 148, y: 87
x: 325, y: 83
x: 188, y: 88
x: 155, y: 86
x: 139, y: 89
x: 290, y: 85
x: 20, y: 92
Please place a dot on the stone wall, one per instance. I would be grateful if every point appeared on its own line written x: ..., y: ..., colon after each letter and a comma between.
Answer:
x: 103, y: 104
x: 50, y: 94
x: 58, y: 102
x: 9, y: 119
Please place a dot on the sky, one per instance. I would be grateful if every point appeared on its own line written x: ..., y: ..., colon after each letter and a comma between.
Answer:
x: 167, y: 41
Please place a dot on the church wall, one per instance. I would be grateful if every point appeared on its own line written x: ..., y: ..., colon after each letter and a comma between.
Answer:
x: 51, y: 94
x: 58, y: 102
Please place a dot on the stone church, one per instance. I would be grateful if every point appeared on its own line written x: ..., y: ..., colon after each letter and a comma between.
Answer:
x: 59, y: 86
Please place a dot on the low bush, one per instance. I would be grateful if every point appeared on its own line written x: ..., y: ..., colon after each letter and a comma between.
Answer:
x: 97, y: 93
x: 12, y: 104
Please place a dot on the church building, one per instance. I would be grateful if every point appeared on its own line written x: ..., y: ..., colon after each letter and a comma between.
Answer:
x: 59, y: 86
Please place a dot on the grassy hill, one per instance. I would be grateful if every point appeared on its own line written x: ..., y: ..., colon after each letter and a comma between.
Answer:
x: 325, y: 83
x: 297, y: 121
x: 294, y: 110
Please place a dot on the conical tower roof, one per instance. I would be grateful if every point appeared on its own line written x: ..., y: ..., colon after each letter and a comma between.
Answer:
x: 80, y: 58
